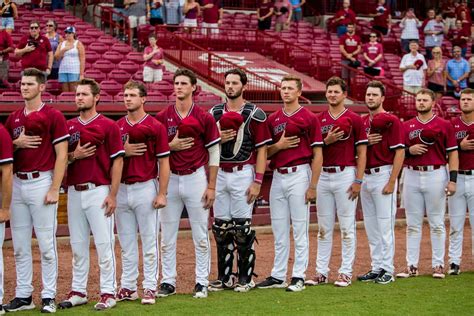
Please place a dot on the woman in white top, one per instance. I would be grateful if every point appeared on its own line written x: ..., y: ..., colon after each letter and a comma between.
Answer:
x: 410, y: 25
x: 72, y: 56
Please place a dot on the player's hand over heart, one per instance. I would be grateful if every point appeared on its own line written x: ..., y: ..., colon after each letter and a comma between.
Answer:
x: 26, y: 141
x: 333, y: 136
x: 252, y: 192
x: 354, y: 191
x: 208, y: 198
x: 110, y: 203
x: 52, y: 196
x: 178, y: 144
x: 450, y: 188
x: 4, y: 215
x: 418, y: 149
x: 310, y: 195
x: 288, y: 142
x: 85, y: 151
x: 134, y: 149
x: 227, y: 135
x: 467, y: 144
x: 159, y: 201
x: 374, y: 138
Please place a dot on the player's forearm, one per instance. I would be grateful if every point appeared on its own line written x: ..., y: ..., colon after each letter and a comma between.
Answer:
x: 116, y: 175
x: 164, y: 175
x: 261, y: 163
x: 50, y: 60
x: 453, y: 160
x: 59, y: 165
x: 361, y: 161
x: 272, y: 150
x: 212, y: 177
x: 397, y: 164
x: 7, y: 178
x: 316, y: 166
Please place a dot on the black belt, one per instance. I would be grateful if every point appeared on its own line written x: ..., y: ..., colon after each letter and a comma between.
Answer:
x: 333, y: 169
x: 183, y: 172
x: 84, y: 186
x: 287, y: 170
x: 466, y: 172
x: 424, y: 168
x: 233, y: 169
x: 28, y: 175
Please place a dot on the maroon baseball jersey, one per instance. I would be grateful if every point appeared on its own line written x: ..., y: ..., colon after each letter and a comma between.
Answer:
x: 310, y: 137
x: 260, y: 136
x: 349, y: 16
x: 383, y: 153
x: 6, y: 147
x: 466, y: 157
x: 196, y: 156
x: 342, y: 152
x: 42, y: 158
x: 143, y: 168
x: 436, y: 154
x: 350, y: 43
x: 97, y: 168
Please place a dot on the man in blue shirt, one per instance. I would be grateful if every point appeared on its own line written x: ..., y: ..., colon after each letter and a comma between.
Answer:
x: 297, y: 9
x: 457, y: 70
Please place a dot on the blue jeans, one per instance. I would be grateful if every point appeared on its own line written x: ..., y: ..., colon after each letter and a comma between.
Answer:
x: 341, y: 30
x: 57, y: 4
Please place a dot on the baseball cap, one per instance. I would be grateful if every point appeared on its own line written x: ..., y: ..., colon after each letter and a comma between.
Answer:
x: 92, y: 134
x: 35, y: 124
x: 345, y: 124
x: 70, y: 29
x: 231, y: 120
x: 189, y: 127
x: 418, y: 63
x: 381, y: 122
x: 140, y: 133
x: 428, y: 136
x: 295, y: 127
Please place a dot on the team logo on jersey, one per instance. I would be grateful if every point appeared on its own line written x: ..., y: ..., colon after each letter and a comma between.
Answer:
x: 74, y: 137
x: 17, y: 131
x: 461, y: 134
x: 279, y: 128
x: 367, y: 130
x: 326, y: 128
x: 414, y: 134
x: 172, y: 130
x: 124, y: 137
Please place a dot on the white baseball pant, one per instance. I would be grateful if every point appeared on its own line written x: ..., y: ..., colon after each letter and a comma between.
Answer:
x: 29, y: 211
x: 333, y: 199
x: 85, y: 214
x: 287, y: 202
x: 424, y: 190
x: 231, y: 194
x: 2, y: 238
x: 379, y: 218
x: 185, y: 191
x: 458, y: 203
x: 134, y: 213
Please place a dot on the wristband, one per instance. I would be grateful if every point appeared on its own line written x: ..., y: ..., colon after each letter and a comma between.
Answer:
x: 407, y: 152
x: 211, y: 188
x: 258, y: 178
x: 453, y: 176
x: 358, y: 181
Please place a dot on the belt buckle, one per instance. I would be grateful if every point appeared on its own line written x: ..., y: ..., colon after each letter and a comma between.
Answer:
x: 28, y: 175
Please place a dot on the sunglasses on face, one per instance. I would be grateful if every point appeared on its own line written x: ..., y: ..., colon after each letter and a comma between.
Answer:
x: 49, y: 25
x: 34, y: 27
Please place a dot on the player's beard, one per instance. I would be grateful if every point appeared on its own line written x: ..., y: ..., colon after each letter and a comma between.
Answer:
x: 424, y: 111
x: 85, y: 108
x: 234, y: 96
x: 375, y: 107
x: 133, y: 109
x: 32, y: 96
x: 467, y: 111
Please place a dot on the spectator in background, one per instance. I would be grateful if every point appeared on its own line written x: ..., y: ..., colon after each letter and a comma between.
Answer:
x: 211, y: 16
x: 172, y: 13
x: 413, y: 67
x: 297, y: 9
x: 434, y: 34
x: 153, y: 57
x: 119, y: 8
x: 54, y: 39
x: 462, y: 7
x: 283, y: 13
x: 138, y: 12
x: 35, y: 50
x: 466, y: 23
x: 436, y: 73
x: 57, y: 5
x: 36, y: 4
x: 9, y: 13
x: 459, y: 37
x: 264, y: 15
x: 430, y: 15
x: 343, y: 17
x: 156, y: 12
x: 72, y: 57
x: 470, y: 82
x: 373, y: 55
x: 410, y: 25
x: 457, y: 72
x: 191, y: 11
x: 382, y: 18
x: 350, y: 47
x: 6, y: 46
x: 449, y: 13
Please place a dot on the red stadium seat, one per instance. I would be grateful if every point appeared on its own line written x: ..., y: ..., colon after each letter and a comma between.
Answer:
x: 92, y: 57
x: 70, y: 19
x: 119, y: 75
x: 156, y: 98
x: 94, y: 32
x: 164, y: 87
x: 60, y: 13
x: 168, y: 76
x: 48, y: 97
x: 128, y: 66
x: 119, y: 97
x: 143, y: 31
x: 66, y: 97
x: 53, y: 87
x: 138, y: 76
x: 121, y: 48
x: 108, y: 40
x: 98, y: 47
x: 135, y: 57
x: 86, y: 40
x: 95, y: 74
x: 12, y: 96
x: 14, y: 75
x: 104, y: 65
x: 104, y: 97
x: 112, y: 56
x: 111, y: 87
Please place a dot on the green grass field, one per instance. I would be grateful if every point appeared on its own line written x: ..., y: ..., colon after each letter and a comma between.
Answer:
x: 416, y: 296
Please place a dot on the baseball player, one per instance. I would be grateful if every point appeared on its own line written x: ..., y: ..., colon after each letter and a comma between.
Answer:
x: 385, y: 154
x: 40, y: 135
x: 140, y: 195
x: 429, y: 139
x: 194, y: 142
x: 344, y: 158
x: 6, y: 175
x: 296, y: 159
x: 93, y: 177
x: 464, y: 197
x: 244, y: 138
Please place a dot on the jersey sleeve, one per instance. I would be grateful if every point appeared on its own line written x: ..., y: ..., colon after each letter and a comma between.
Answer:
x: 211, y: 132
x: 315, y: 136
x: 261, y: 133
x: 23, y: 42
x: 360, y: 136
x: 451, y: 142
x: 114, y: 141
x: 59, y: 130
x: 396, y: 137
x: 6, y: 147
x: 162, y: 148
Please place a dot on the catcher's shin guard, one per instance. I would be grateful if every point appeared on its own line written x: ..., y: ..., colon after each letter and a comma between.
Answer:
x: 244, y: 239
x: 224, y: 235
